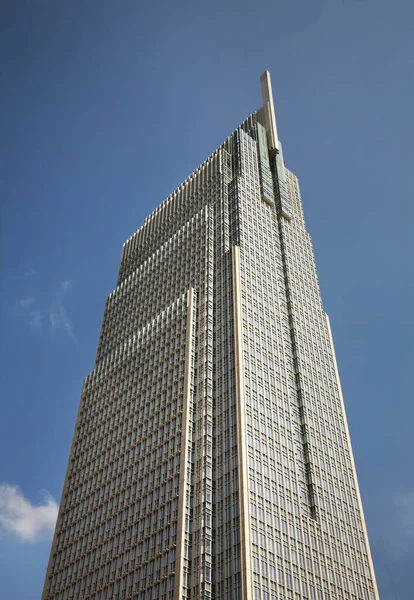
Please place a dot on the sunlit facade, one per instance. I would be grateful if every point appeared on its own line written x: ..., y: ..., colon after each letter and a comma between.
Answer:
x: 211, y: 457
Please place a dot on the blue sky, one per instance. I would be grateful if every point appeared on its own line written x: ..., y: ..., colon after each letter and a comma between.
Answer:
x: 105, y: 107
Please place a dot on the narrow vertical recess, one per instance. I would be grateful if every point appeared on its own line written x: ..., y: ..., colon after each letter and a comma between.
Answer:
x: 245, y: 541
x: 283, y: 218
x: 184, y: 464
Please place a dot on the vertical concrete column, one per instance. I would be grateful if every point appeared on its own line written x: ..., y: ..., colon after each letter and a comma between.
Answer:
x: 242, y: 462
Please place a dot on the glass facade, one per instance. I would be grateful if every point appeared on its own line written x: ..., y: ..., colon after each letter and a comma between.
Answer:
x: 211, y: 457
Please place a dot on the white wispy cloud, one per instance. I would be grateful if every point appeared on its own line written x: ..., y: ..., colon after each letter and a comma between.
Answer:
x: 22, y: 519
x: 66, y: 285
x: 53, y: 311
x: 28, y: 301
x: 26, y: 274
x: 58, y: 316
x: 29, y: 272
x: 34, y: 316
x: 36, y: 319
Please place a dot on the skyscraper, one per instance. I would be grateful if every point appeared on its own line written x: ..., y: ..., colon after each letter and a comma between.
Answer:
x: 211, y: 457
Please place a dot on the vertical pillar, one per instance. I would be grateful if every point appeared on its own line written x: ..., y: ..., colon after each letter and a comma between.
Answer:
x: 242, y: 464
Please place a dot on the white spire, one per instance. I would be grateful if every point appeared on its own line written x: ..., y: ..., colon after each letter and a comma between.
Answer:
x: 269, y: 111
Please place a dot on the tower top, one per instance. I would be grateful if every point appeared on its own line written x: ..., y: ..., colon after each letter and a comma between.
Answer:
x: 269, y: 111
